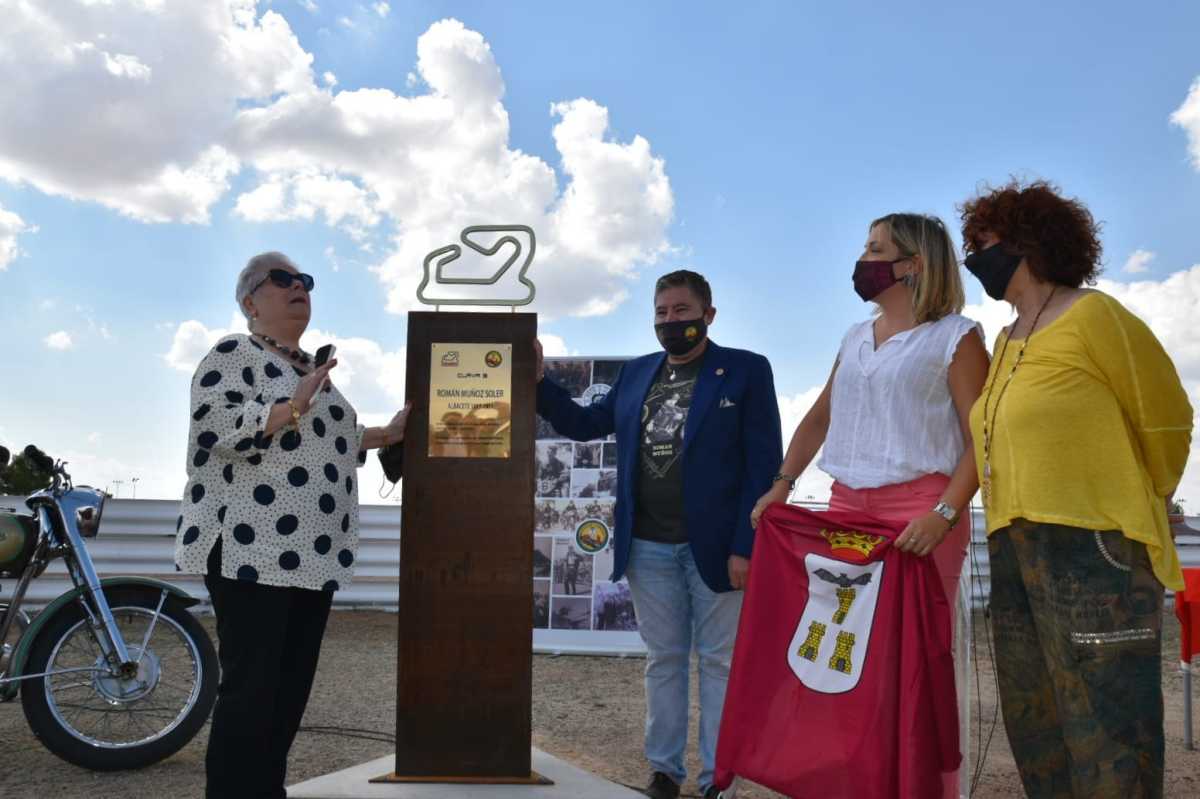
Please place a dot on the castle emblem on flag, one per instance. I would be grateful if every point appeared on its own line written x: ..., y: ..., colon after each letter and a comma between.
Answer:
x: 829, y: 646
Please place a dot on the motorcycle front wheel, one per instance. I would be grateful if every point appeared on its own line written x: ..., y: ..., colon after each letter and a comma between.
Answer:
x: 105, y: 721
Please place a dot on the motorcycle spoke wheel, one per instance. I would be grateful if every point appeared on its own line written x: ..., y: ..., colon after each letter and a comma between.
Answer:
x: 103, y: 710
x: 92, y: 714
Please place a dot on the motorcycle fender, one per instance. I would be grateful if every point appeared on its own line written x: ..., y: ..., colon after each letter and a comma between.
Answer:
x: 17, y: 664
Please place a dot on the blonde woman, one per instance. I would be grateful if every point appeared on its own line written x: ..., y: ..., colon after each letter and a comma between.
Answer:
x: 894, y: 417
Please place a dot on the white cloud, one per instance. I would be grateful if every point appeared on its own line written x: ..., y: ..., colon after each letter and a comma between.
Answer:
x: 305, y: 195
x: 176, y: 72
x: 1187, y: 116
x: 11, y: 226
x: 329, y: 79
x: 994, y: 315
x: 346, y: 22
x: 126, y: 66
x: 814, y: 485
x: 309, y: 5
x: 555, y: 346
x: 60, y: 340
x: 193, y: 340
x: 1138, y: 262
x: 210, y: 87
x: 439, y: 161
x: 382, y: 9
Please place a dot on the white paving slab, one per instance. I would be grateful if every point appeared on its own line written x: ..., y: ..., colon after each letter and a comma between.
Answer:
x: 354, y: 783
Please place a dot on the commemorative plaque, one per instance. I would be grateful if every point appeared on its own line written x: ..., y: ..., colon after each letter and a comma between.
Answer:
x: 464, y: 681
x: 470, y: 400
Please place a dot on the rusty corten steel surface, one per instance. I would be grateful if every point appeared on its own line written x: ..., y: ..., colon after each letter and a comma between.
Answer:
x: 463, y: 672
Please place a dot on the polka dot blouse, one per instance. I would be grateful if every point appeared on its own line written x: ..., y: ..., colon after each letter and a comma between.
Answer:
x: 285, y: 505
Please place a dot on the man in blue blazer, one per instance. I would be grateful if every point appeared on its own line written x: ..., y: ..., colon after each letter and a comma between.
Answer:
x: 698, y: 442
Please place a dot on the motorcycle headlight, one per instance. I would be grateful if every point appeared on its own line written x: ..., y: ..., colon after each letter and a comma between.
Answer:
x: 88, y: 520
x: 89, y: 507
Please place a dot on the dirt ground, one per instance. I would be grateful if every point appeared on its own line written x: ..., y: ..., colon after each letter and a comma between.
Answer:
x: 587, y: 710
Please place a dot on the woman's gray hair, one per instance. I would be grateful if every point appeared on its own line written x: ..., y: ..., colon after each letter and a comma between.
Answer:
x: 255, y: 272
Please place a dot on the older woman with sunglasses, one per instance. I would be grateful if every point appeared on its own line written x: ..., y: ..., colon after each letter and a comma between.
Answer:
x: 270, y: 517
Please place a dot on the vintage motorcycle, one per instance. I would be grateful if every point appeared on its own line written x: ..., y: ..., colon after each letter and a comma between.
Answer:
x: 115, y: 673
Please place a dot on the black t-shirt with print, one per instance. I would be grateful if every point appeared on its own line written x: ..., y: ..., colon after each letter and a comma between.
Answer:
x: 659, y: 514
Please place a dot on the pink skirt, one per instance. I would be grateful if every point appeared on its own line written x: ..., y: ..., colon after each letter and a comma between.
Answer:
x: 904, y: 502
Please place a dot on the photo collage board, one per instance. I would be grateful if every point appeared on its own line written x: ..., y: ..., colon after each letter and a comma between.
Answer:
x: 574, y: 499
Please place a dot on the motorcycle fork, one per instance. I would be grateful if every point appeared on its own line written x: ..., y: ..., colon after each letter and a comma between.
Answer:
x: 93, y: 601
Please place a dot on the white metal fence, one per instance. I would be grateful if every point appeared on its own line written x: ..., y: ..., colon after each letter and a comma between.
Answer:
x: 137, y: 536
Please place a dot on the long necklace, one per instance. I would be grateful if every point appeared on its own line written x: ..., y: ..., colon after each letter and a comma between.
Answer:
x: 989, y: 429
x: 295, y: 354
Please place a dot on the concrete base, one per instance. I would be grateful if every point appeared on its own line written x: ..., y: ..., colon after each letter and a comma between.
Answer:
x: 354, y: 783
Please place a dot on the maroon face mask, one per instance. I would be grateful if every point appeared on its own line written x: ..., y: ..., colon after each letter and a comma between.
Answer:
x: 873, y: 277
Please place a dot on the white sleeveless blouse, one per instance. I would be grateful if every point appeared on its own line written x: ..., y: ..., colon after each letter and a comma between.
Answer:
x: 892, y: 418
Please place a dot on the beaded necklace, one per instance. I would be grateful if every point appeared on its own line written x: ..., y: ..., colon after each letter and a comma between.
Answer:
x: 989, y: 430
x: 295, y: 354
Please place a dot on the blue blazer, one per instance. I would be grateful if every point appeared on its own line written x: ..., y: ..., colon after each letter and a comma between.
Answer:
x: 731, y: 450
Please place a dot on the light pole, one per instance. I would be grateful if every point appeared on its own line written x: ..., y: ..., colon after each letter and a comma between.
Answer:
x: 134, y: 480
x: 118, y: 484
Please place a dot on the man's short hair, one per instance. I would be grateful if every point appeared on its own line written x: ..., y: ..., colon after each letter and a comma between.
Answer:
x: 685, y: 277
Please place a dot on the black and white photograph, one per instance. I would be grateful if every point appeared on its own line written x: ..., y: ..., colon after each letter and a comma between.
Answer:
x: 545, y: 516
x: 541, y: 604
x: 613, y: 608
x: 587, y: 456
x: 543, y: 551
x: 602, y: 563
x: 554, y: 469
x: 585, y: 483
x: 609, y: 459
x: 570, y: 514
x: 606, y: 484
x: 574, y: 376
x: 606, y: 372
x: 572, y: 569
x: 570, y: 613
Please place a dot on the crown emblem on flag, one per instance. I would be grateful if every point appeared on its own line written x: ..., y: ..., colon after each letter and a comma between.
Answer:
x: 851, y: 545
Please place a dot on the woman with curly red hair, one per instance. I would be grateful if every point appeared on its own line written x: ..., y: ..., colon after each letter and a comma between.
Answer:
x: 1081, y: 436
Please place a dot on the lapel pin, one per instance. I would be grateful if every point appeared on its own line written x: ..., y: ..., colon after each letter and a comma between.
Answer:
x: 720, y: 372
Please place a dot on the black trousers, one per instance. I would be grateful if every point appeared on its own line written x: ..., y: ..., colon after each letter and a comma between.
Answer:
x: 270, y: 640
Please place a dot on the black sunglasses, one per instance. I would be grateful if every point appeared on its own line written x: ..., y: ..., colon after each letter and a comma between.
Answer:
x: 283, y: 278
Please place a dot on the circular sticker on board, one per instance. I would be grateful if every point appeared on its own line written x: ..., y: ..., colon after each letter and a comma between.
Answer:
x: 595, y: 392
x: 493, y: 358
x: 591, y: 536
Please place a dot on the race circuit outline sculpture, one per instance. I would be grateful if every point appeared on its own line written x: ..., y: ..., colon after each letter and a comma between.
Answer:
x: 452, y: 252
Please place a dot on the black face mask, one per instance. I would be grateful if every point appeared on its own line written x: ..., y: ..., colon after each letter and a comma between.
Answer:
x: 994, y: 268
x: 680, y: 338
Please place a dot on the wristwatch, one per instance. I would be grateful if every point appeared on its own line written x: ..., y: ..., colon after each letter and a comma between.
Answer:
x: 947, y: 512
x: 787, y: 478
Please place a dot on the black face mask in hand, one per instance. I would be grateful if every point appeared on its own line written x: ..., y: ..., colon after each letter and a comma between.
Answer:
x: 994, y: 268
x: 680, y: 338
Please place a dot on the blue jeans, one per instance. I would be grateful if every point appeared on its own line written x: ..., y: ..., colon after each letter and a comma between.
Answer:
x: 674, y: 610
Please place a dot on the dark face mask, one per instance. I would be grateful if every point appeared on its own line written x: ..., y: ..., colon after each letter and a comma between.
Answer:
x: 994, y: 268
x: 873, y: 277
x: 680, y: 338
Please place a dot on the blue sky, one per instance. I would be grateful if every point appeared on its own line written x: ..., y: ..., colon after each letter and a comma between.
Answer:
x: 151, y: 149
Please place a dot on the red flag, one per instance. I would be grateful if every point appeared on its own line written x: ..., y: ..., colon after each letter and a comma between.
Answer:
x: 1187, y: 610
x: 842, y: 682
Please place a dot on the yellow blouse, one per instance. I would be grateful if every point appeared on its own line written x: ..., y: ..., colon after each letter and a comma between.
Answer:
x: 1093, y: 431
